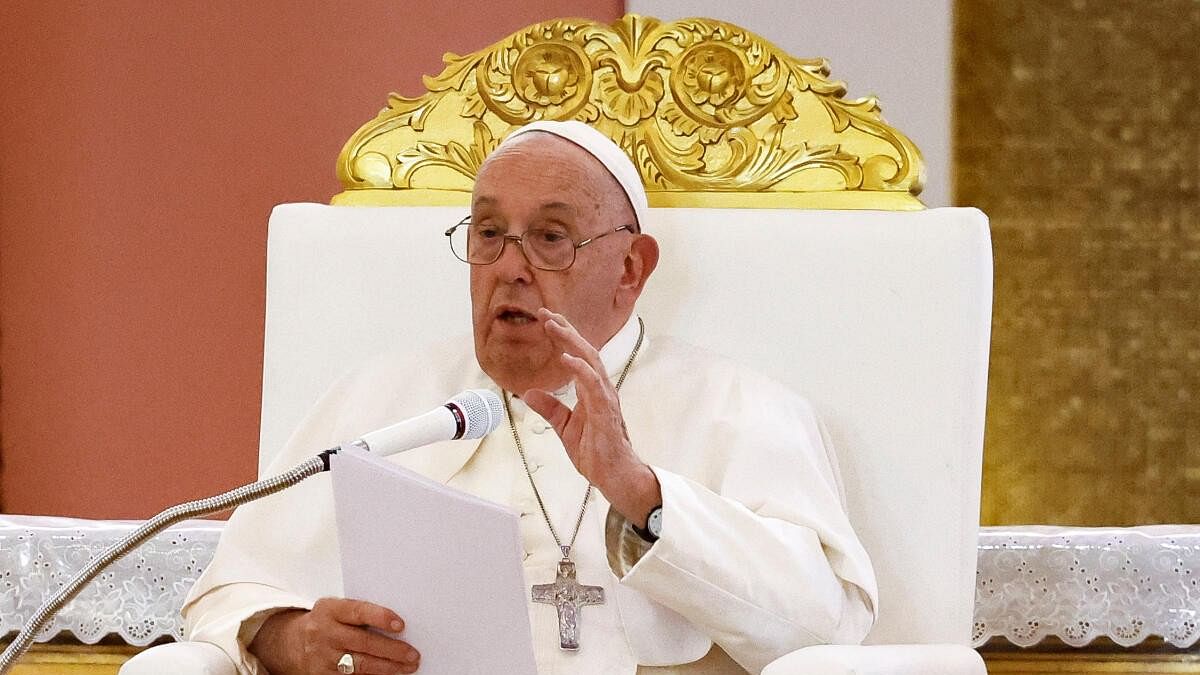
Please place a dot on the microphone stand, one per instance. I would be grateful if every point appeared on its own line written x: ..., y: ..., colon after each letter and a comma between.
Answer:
x: 160, y: 522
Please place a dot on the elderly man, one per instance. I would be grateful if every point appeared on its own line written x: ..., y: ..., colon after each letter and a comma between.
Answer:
x: 701, y: 497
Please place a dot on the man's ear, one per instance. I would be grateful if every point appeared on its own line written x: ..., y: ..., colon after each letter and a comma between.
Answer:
x: 639, y: 265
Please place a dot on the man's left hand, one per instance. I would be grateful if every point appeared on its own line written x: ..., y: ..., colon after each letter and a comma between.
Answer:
x: 594, y: 432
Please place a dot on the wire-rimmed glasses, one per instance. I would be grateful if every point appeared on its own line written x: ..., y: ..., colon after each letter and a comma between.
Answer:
x: 546, y: 249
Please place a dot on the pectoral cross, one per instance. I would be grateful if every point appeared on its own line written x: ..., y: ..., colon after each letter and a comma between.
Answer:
x: 569, y: 596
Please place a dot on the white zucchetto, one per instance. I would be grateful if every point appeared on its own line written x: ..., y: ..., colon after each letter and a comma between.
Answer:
x: 603, y: 149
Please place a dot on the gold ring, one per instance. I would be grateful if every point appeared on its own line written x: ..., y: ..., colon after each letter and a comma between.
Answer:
x: 345, y: 664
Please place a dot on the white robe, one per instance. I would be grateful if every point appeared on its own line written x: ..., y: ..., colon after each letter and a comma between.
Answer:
x: 757, y: 556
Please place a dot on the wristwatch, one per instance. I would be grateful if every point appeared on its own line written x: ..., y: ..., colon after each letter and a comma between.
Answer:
x: 653, y: 525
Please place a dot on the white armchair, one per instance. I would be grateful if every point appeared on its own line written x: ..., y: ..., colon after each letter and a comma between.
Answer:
x: 880, y: 318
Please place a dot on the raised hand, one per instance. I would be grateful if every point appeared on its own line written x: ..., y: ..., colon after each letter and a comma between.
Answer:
x: 594, y: 433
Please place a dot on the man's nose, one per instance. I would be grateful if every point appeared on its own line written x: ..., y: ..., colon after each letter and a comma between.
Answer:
x: 512, y: 265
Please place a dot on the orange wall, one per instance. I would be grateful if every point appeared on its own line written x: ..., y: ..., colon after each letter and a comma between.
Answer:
x: 142, y: 146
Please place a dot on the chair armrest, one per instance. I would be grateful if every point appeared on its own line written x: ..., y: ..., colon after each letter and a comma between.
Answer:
x: 181, y: 658
x: 940, y: 659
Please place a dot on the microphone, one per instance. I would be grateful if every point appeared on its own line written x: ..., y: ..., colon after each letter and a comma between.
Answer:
x: 473, y: 413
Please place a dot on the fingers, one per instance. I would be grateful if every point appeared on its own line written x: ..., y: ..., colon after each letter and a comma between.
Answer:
x: 360, y: 613
x: 346, y: 626
x: 569, y: 340
x: 365, y: 664
x: 550, y: 408
x: 582, y: 359
x: 592, y: 386
x: 366, y: 641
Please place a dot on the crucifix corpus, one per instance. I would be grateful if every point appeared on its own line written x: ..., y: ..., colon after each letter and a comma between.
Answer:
x: 568, y: 596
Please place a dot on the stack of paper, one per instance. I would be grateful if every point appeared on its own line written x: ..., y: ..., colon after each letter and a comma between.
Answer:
x: 447, y: 562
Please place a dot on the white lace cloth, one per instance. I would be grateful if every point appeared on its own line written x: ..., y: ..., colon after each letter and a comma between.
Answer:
x: 1078, y: 584
x: 137, y: 598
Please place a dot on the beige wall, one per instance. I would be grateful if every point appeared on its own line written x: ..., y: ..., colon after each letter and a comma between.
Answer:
x: 898, y: 51
x: 142, y: 147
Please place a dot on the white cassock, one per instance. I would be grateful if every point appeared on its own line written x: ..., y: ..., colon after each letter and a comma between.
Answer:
x: 756, y: 559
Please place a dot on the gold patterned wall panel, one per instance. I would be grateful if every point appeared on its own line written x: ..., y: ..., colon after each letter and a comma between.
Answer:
x: 1077, y: 130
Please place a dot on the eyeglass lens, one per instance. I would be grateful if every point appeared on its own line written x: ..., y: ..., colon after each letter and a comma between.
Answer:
x: 482, y: 244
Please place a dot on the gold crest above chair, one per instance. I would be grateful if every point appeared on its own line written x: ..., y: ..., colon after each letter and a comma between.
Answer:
x: 711, y: 114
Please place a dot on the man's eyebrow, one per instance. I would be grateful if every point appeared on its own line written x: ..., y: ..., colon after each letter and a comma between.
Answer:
x: 483, y: 200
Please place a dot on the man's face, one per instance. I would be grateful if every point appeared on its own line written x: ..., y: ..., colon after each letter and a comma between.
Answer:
x: 542, y: 181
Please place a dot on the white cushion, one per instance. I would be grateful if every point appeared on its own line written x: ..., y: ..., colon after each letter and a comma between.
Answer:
x: 181, y: 658
x: 941, y: 659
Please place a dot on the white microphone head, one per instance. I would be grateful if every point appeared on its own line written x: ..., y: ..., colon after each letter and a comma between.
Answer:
x: 482, y: 409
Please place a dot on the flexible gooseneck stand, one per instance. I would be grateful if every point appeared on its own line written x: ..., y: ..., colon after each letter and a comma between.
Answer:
x: 160, y: 522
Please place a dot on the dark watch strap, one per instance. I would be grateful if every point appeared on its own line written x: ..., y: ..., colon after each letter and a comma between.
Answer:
x: 647, y: 534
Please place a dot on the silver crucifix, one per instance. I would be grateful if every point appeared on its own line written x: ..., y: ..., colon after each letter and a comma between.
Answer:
x: 569, y: 596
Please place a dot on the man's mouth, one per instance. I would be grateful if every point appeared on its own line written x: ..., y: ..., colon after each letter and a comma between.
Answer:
x: 514, y: 316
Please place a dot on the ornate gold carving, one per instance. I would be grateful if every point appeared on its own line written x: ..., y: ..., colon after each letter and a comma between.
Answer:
x: 701, y: 106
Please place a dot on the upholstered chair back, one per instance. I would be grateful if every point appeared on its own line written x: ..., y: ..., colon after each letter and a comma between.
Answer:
x: 881, y: 319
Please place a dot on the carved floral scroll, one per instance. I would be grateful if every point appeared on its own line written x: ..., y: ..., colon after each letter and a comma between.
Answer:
x: 701, y: 106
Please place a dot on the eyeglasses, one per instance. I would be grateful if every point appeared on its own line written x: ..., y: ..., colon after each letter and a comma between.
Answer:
x: 550, y: 250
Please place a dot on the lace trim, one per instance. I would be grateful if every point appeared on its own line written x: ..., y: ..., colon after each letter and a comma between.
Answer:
x: 1077, y: 584
x: 138, y: 598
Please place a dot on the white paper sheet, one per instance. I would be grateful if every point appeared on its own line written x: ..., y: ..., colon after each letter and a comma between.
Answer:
x: 448, y: 562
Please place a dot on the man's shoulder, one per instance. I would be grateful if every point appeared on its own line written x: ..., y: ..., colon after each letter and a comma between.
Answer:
x: 422, y: 377
x: 699, y: 369
x: 685, y: 398
x: 450, y: 358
